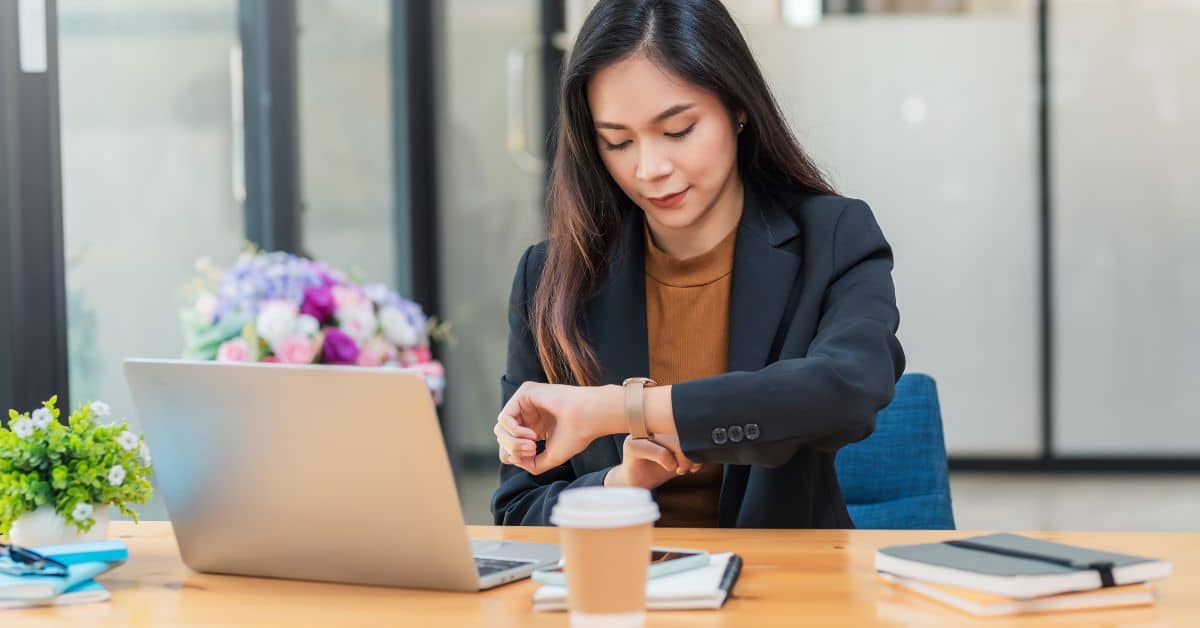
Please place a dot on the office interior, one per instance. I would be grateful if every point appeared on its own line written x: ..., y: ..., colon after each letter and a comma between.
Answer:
x: 1033, y: 165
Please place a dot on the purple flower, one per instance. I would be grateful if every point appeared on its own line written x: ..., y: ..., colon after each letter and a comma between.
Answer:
x: 339, y: 347
x: 318, y: 303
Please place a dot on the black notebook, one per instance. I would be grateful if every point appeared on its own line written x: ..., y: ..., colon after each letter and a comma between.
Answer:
x: 1017, y: 566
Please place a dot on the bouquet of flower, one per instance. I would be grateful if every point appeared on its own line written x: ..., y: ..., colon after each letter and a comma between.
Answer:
x: 70, y: 467
x: 278, y: 307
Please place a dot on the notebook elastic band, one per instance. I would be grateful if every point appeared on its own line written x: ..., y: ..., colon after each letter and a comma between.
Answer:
x: 1104, y: 568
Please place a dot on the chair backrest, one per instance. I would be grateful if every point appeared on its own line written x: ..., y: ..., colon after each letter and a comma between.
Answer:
x: 896, y: 478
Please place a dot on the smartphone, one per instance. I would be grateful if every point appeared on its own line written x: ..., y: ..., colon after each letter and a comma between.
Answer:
x: 663, y: 561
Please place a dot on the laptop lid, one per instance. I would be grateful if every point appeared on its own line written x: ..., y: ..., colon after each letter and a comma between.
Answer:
x: 308, y: 472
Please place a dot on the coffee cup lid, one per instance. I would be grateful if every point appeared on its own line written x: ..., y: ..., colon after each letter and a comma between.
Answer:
x: 604, y: 507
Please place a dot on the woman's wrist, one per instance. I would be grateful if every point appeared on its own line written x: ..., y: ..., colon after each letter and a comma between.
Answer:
x: 610, y: 408
x: 660, y: 415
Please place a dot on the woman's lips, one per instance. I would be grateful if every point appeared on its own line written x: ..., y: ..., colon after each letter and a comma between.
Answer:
x: 673, y: 200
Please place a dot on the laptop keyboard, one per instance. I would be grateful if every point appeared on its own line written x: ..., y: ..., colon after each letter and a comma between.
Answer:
x: 489, y: 566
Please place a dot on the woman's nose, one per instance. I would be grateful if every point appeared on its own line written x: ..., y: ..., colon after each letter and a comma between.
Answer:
x: 652, y: 163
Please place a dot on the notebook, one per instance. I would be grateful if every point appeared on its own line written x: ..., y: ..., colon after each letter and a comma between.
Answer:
x: 703, y: 587
x: 988, y: 605
x: 82, y: 593
x: 1015, y: 566
x: 84, y: 562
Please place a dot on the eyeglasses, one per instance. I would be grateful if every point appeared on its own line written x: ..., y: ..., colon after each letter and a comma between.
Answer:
x: 18, y: 561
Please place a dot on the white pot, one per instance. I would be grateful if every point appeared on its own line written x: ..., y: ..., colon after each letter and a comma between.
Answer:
x: 44, y: 527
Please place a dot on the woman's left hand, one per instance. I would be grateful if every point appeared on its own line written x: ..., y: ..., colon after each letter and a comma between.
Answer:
x: 568, y: 418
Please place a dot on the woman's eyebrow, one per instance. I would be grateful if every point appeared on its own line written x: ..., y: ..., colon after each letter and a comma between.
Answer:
x: 680, y: 108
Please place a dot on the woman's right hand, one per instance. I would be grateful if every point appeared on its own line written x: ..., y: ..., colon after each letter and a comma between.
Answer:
x: 648, y: 464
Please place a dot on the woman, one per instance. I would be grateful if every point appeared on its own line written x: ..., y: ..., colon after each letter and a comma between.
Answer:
x: 692, y: 242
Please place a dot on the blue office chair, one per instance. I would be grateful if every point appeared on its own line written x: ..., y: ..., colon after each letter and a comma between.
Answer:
x: 896, y: 478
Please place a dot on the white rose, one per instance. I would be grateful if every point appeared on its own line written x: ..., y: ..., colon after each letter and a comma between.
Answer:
x: 22, y: 427
x: 276, y: 320
x: 357, y: 321
x: 397, y: 328
x: 376, y: 292
x: 81, y: 512
x: 206, y: 307
x: 127, y: 440
x: 116, y: 475
x: 42, y: 418
x: 99, y: 408
x: 307, y: 325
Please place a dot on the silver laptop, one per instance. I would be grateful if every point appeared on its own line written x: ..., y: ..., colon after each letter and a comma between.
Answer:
x: 314, y: 473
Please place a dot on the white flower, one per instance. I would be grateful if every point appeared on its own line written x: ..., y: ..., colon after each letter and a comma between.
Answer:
x: 307, y: 325
x: 99, y: 408
x: 22, y: 427
x: 42, y: 418
x: 276, y: 320
x: 144, y: 451
x: 206, y: 307
x: 358, y: 321
x: 376, y: 292
x: 82, y: 511
x: 397, y: 328
x: 116, y: 475
x: 127, y: 440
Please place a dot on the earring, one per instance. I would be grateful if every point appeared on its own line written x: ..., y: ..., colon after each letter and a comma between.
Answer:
x: 741, y: 125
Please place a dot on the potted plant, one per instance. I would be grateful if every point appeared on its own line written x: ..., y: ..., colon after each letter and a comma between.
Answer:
x: 58, y: 482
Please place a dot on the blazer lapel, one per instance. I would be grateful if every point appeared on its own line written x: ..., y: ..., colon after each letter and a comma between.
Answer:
x: 765, y: 263
x: 615, y: 318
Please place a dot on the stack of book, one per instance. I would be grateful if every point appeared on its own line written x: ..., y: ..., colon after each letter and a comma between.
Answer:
x: 84, y: 562
x: 1008, y: 574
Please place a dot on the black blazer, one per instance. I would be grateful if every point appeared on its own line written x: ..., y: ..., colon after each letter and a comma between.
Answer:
x: 812, y: 357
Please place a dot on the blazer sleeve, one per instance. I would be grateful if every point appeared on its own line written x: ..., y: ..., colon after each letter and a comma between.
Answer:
x: 826, y: 399
x: 524, y: 498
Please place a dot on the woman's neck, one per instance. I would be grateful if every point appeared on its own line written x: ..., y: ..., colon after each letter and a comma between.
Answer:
x: 707, y: 232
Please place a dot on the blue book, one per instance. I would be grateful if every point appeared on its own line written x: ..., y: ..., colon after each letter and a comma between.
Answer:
x: 84, y: 562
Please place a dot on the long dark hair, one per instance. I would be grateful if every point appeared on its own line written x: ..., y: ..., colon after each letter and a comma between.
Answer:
x: 698, y: 41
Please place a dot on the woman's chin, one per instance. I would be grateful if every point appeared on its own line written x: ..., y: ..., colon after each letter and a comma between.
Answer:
x: 674, y: 218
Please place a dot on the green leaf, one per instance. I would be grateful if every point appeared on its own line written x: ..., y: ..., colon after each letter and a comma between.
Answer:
x: 58, y: 477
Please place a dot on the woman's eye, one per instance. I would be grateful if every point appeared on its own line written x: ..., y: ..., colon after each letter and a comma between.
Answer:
x: 620, y: 146
x: 683, y: 132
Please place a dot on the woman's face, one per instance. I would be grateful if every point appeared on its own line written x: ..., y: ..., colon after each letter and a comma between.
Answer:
x: 671, y: 146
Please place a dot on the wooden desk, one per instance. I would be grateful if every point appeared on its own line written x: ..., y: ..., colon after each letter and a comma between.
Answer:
x: 791, y: 578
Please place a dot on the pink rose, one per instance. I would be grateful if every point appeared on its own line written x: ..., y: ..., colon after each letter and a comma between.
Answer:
x: 375, y: 352
x: 415, y: 356
x: 435, y: 378
x: 235, y: 350
x: 297, y: 350
x: 431, y: 369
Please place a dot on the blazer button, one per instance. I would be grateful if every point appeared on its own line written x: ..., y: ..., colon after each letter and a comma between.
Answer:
x: 720, y: 436
x: 735, y: 433
x: 752, y: 432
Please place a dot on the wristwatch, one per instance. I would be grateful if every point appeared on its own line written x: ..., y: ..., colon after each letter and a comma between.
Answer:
x: 635, y: 414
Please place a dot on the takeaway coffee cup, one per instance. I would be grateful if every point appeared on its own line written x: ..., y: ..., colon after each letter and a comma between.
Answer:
x: 605, y: 536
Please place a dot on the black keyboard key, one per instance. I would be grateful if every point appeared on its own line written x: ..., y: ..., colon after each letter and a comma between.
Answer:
x: 489, y: 566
